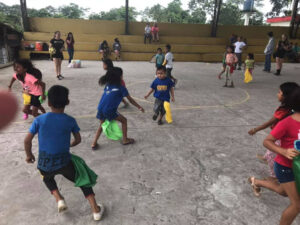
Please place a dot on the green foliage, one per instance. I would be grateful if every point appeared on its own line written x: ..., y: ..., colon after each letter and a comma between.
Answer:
x: 71, y: 11
x: 11, y: 15
x: 280, y: 6
x: 230, y: 15
x: 115, y: 14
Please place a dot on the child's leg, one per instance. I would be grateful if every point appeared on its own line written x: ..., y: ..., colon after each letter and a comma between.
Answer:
x: 123, y: 121
x: 98, y: 133
x: 270, y: 156
x: 42, y: 109
x: 290, y: 213
x: 26, y: 109
x: 220, y: 74
x: 227, y: 75
x: 49, y: 181
x: 271, y: 185
x: 59, y: 66
x: 35, y: 111
x: 162, y: 113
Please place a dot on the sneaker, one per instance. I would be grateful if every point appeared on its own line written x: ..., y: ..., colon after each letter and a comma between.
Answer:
x: 98, y: 216
x: 61, y: 206
x: 59, y: 77
x: 25, y: 116
x: 154, y: 117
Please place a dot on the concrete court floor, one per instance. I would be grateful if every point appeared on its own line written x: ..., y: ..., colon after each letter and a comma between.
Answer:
x: 193, y: 171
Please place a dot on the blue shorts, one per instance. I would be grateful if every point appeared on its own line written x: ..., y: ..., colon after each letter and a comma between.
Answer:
x: 107, y: 116
x: 284, y: 174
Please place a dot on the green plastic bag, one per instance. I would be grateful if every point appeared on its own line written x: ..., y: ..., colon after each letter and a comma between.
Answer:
x: 84, y: 176
x: 296, y: 166
x: 41, y: 99
x: 112, y: 130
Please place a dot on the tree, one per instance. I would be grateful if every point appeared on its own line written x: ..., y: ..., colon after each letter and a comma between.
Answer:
x: 11, y: 15
x: 72, y: 11
x: 115, y: 14
x: 280, y: 6
x: 231, y: 15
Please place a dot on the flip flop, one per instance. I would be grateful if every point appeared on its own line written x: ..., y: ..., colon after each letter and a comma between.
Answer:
x: 256, y: 190
x: 95, y: 147
x: 131, y: 141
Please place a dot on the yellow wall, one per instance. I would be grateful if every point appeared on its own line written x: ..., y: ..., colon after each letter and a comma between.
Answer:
x: 137, y: 28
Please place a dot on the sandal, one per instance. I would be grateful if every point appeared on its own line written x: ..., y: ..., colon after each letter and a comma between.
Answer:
x: 130, y: 141
x: 58, y: 77
x: 95, y: 147
x: 256, y: 190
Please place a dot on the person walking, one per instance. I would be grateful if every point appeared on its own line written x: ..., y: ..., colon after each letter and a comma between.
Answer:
x: 268, y: 52
x: 58, y: 46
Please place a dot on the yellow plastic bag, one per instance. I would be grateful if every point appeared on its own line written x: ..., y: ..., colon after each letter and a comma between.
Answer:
x: 165, y: 62
x: 248, y: 76
x: 27, y: 99
x: 167, y: 107
x: 52, y: 51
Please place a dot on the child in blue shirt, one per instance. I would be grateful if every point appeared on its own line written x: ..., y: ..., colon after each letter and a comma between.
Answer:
x: 159, y: 58
x: 113, y: 94
x: 162, y: 86
x: 54, y: 134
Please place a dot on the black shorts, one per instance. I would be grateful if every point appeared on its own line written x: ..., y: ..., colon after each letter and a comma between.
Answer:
x: 35, y: 101
x: 58, y: 55
x: 168, y: 73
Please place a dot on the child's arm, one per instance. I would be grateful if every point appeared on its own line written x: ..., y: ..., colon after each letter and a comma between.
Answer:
x: 28, y: 145
x: 149, y: 93
x: 43, y: 85
x: 172, y: 95
x: 263, y: 126
x: 269, y: 143
x: 77, y: 139
x: 11, y: 83
x: 133, y: 102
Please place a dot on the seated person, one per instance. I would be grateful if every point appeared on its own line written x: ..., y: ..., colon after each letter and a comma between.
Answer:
x: 155, y: 30
x: 104, y: 49
x: 147, y: 34
x: 117, y: 48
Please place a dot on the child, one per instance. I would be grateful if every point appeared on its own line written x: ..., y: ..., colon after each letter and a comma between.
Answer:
x: 117, y: 49
x: 168, y: 63
x: 283, y: 111
x: 161, y: 86
x: 223, y: 64
x: 54, y: 130
x: 25, y: 73
x: 249, y: 66
x: 107, y: 65
x: 231, y: 60
x: 159, y: 58
x: 147, y: 33
x: 287, y: 131
x: 239, y: 45
x: 113, y: 94
x: 104, y: 49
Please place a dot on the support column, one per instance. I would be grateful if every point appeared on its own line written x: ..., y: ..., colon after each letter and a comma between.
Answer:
x: 294, y: 14
x: 126, y: 18
x: 24, y: 15
x: 217, y: 10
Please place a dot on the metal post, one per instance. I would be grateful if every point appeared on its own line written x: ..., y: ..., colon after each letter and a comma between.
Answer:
x: 294, y: 14
x: 126, y: 18
x: 24, y: 15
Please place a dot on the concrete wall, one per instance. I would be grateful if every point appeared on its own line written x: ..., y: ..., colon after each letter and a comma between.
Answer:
x: 137, y: 28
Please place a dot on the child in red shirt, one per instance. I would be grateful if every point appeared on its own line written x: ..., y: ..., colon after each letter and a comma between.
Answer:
x: 285, y: 91
x: 287, y: 131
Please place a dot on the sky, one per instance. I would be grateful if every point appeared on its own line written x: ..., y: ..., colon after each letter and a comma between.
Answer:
x: 102, y: 5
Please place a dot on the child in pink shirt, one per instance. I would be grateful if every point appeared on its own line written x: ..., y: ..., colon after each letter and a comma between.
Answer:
x: 230, y: 61
x: 154, y: 31
x: 32, y: 86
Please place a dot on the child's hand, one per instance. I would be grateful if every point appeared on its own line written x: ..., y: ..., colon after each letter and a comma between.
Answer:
x: 291, y: 153
x: 252, y: 131
x: 173, y: 99
x: 43, y: 97
x: 9, y: 88
x: 30, y: 159
x: 146, y: 96
x: 142, y: 109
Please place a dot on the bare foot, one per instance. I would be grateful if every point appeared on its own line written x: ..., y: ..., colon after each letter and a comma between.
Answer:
x: 128, y: 141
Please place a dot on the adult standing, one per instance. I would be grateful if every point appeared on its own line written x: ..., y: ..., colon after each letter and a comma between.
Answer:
x: 155, y: 30
x: 70, y: 45
x: 268, y: 52
x: 239, y: 45
x: 281, y: 49
x: 58, y: 45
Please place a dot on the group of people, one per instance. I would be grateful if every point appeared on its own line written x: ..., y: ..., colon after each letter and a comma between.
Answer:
x: 55, y: 157
x: 104, y: 49
x: 151, y: 33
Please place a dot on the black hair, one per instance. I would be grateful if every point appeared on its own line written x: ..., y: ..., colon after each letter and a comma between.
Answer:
x: 161, y: 68
x: 270, y: 34
x: 55, y: 33
x: 30, y: 69
x: 105, y: 42
x: 68, y: 37
x: 117, y: 40
x: 231, y: 47
x: 287, y: 89
x: 112, y: 77
x: 168, y: 46
x: 251, y: 55
x: 159, y: 49
x: 58, y: 96
x: 294, y: 100
x: 109, y: 63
